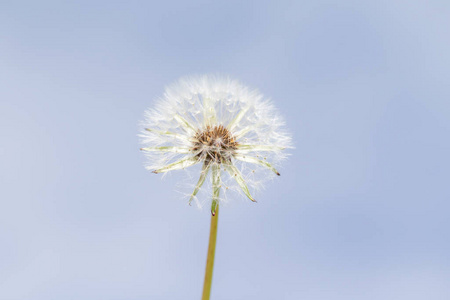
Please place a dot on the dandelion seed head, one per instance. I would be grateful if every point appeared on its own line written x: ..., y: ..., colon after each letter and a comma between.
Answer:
x: 229, y: 134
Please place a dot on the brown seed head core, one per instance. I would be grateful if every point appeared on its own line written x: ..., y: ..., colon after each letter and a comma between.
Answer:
x: 214, y: 143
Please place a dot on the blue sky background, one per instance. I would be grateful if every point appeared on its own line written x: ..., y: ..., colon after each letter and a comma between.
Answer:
x: 361, y: 210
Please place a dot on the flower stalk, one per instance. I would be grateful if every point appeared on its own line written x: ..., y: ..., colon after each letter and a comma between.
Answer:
x: 211, y: 254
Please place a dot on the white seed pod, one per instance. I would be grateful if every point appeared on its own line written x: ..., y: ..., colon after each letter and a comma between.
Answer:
x: 234, y: 135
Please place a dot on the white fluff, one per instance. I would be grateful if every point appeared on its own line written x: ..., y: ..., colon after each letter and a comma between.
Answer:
x: 193, y: 103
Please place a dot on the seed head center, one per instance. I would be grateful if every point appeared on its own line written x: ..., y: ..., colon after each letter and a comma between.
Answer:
x: 214, y: 143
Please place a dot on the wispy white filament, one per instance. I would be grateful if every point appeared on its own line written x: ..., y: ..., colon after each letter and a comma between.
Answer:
x: 191, y: 105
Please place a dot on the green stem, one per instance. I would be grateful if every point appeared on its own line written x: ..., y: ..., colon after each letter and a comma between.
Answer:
x: 210, y: 258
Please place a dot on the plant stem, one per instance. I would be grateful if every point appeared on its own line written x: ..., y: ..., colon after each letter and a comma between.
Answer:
x: 210, y: 258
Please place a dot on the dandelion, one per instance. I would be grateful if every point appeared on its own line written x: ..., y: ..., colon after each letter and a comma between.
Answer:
x: 234, y: 135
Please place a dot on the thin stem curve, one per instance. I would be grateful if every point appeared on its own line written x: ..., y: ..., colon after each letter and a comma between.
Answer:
x: 211, y: 253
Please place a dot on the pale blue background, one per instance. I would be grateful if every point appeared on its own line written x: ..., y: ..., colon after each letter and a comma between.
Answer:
x: 361, y: 210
